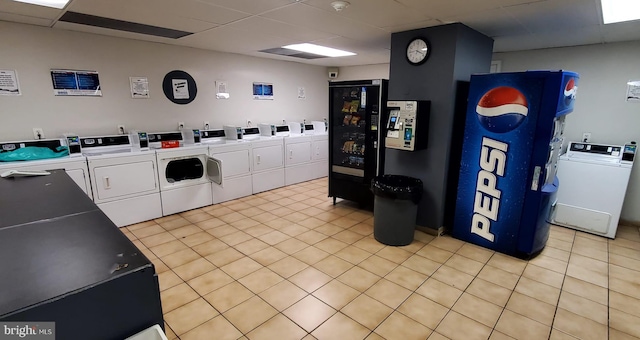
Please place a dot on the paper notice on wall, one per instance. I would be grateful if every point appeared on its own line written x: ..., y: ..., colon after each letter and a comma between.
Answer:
x: 221, y: 90
x: 180, y: 88
x: 9, y: 85
x: 633, y: 91
x: 139, y: 87
x: 301, y: 93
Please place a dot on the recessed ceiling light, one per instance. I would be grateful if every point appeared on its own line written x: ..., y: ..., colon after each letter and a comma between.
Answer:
x: 59, y: 4
x: 620, y: 10
x: 320, y: 50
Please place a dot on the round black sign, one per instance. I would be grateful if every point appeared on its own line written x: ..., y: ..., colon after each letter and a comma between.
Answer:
x: 179, y: 87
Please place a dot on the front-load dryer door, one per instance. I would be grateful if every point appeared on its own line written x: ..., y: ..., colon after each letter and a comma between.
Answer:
x: 214, y: 170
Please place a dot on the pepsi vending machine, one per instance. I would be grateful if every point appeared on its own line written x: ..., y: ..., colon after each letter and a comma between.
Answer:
x: 512, y: 139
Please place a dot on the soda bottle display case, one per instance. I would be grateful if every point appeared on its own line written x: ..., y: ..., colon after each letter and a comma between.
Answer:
x: 512, y: 139
x: 356, y: 151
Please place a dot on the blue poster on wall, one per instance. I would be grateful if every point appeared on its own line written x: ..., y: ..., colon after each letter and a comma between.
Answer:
x: 263, y: 91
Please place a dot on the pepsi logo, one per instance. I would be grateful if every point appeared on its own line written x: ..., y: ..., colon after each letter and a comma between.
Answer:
x: 502, y: 109
x: 570, y: 90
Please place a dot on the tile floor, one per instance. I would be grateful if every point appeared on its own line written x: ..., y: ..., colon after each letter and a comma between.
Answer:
x: 287, y: 264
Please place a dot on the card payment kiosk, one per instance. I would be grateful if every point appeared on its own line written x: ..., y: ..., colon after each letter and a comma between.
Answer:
x: 403, y: 131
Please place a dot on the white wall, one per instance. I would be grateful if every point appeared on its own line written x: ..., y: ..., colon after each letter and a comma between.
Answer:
x: 600, y: 105
x: 33, y: 51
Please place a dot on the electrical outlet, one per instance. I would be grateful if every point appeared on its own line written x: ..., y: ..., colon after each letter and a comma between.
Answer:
x: 121, y: 130
x: 586, y: 137
x: 180, y: 125
x: 248, y: 123
x: 205, y: 125
x: 38, y: 133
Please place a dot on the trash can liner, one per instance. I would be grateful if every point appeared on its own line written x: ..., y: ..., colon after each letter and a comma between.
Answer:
x: 30, y: 153
x: 397, y: 187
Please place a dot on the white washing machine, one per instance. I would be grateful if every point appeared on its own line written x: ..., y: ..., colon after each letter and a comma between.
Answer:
x: 234, y: 162
x: 593, y: 182
x: 267, y: 164
x: 75, y: 165
x: 185, y: 174
x: 298, y: 166
x: 320, y: 150
x: 124, y: 179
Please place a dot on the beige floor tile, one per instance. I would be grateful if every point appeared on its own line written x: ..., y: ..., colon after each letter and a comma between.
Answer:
x: 282, y: 211
x: 250, y: 314
x: 585, y: 289
x: 310, y: 255
x: 406, y: 277
x: 389, y: 293
x: 537, y: 290
x: 244, y: 223
x: 439, y: 292
x: 464, y: 264
x: 287, y: 266
x: 189, y: 316
x: 333, y: 266
x: 476, y: 253
x: 168, y: 279
x: 495, y: 335
x: 367, y: 311
x: 584, y: 307
x: 242, y: 267
x: 624, y: 287
x: 140, y: 225
x: 165, y: 219
x: 398, y: 326
x: 264, y: 217
x: 170, y: 334
x: 359, y: 215
x: 336, y: 294
x: 250, y: 212
x: 311, y: 222
x: 258, y: 230
x: 197, y: 238
x: 238, y: 205
x: 478, y: 309
x: 447, y: 243
x: 413, y: 247
x: 194, y: 269
x: 294, y: 230
x: 625, y: 243
x: 489, y: 291
x: 594, y: 265
x: 211, y: 223
x: 309, y: 313
x: 556, y: 253
x: 251, y: 246
x: 531, y: 308
x: 179, y: 258
x: 219, y: 326
x: 394, y: 254
x: 310, y: 279
x: 369, y: 244
x: 543, y: 275
x: 560, y: 234
x: 578, y: 326
x: 348, y: 236
x: 624, y: 322
x: 615, y: 334
x: 421, y: 265
x: 282, y: 295
x: 260, y: 280
x: 549, y: 263
x: 453, y: 277
x: 458, y: 326
x: 224, y: 257
x: 232, y: 217
x: 235, y: 238
x: 521, y: 327
x: 274, y: 237
x: 586, y: 274
x: 278, y: 327
x: 559, y: 335
x: 268, y: 256
x: 159, y: 266
x: 175, y: 223
x: 221, y: 231
x: 358, y: 279
x: 625, y: 274
x: 228, y: 296
x: 378, y: 265
x: 498, y: 276
x: 624, y: 251
x: 327, y: 216
x: 185, y: 231
x: 330, y: 245
x: 434, y: 253
x: 362, y: 229
x: 157, y: 239
x: 624, y: 261
x: 209, y: 247
x: 340, y: 327
x: 624, y: 303
x: 588, y: 251
x: 291, y: 246
x: 507, y: 263
x: 423, y: 236
x: 210, y: 281
x: 148, y: 231
x: 352, y: 254
x: 311, y: 237
x: 423, y: 310
x: 168, y: 248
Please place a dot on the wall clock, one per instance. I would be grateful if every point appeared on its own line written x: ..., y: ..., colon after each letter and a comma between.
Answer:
x: 418, y: 51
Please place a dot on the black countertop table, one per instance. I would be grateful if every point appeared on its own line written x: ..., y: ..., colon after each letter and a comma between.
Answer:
x: 63, y: 260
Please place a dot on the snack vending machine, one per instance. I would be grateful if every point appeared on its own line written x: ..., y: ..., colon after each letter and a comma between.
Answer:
x: 357, y: 125
x: 512, y: 139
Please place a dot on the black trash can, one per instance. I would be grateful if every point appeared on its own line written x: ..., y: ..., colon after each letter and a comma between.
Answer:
x: 395, y: 208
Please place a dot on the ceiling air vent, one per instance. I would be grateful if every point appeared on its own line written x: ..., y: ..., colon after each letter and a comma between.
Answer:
x: 292, y: 53
x: 121, y: 25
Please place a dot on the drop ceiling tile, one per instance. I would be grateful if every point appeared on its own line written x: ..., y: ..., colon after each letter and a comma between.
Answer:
x: 23, y: 19
x: 517, y: 43
x: 583, y: 36
x: 109, y: 32
x: 624, y: 31
x: 493, y: 23
x: 379, y: 13
x: 357, y: 46
x: 250, y: 6
x: 448, y: 8
x: 556, y: 16
x: 10, y: 6
x: 227, y: 39
x: 279, y: 29
x: 310, y: 17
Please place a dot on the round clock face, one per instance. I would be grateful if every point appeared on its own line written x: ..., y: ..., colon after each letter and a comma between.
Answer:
x: 418, y: 51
